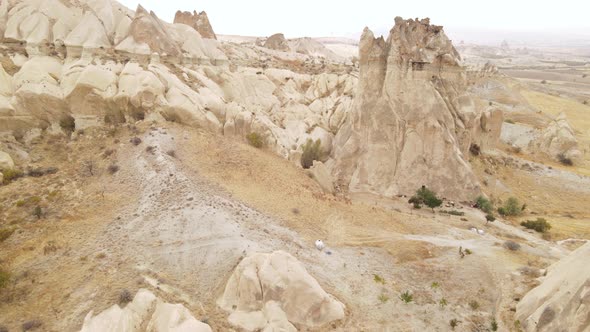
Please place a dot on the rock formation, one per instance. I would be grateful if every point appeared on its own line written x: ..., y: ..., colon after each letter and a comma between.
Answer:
x: 562, y: 301
x: 277, y: 42
x: 413, y: 121
x: 275, y: 292
x: 559, y: 138
x: 197, y: 21
x: 5, y: 161
x: 145, y: 313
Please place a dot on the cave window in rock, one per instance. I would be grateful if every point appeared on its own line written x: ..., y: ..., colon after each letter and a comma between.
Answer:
x: 419, y: 65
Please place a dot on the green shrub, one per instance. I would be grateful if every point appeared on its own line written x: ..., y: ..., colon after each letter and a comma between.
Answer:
x: 509, y: 121
x: 38, y: 212
x: 5, y: 233
x: 378, y: 279
x: 125, y: 297
x: 255, y: 140
x: 383, y: 298
x: 67, y: 123
x: 454, y: 323
x: 494, y: 325
x: 474, y: 305
x: 4, y: 278
x: 427, y: 197
x: 11, y: 174
x: 540, y: 225
x: 484, y: 204
x: 511, y: 207
x: 311, y: 151
x: 490, y: 217
x: 453, y: 213
x: 443, y: 302
x: 406, y: 297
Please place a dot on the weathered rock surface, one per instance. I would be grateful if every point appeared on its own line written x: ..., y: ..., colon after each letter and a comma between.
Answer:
x: 412, y: 121
x: 274, y: 292
x: 145, y: 313
x: 277, y: 42
x: 6, y: 161
x: 198, y: 21
x: 562, y: 301
x: 559, y: 138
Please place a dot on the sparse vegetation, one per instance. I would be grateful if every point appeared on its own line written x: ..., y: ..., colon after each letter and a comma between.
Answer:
x: 494, y: 325
x: 484, y: 204
x: 427, y: 197
x: 474, y: 305
x: 11, y: 174
x: 435, y: 285
x: 67, y: 124
x: 511, y: 245
x: 171, y: 153
x: 511, y: 207
x: 38, y: 212
x: 378, y: 279
x: 150, y: 149
x: 443, y: 302
x: 544, y: 82
x: 509, y: 121
x: 468, y: 252
x: 453, y: 213
x: 406, y: 297
x: 5, y: 233
x: 255, y: 140
x: 125, y: 297
x: 311, y: 151
x: 564, y: 160
x: 454, y: 323
x: 490, y: 218
x: 138, y: 114
x: 4, y: 278
x: 540, y: 225
x: 383, y: 298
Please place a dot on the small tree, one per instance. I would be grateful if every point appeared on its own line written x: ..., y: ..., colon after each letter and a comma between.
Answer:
x: 490, y: 218
x: 484, y: 204
x: 427, y: 197
x: 311, y: 151
x: 511, y: 207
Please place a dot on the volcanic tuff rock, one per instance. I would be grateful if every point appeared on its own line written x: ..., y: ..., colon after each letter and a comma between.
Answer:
x: 198, y: 21
x: 562, y: 301
x: 274, y: 291
x: 277, y: 42
x: 412, y: 121
x: 145, y: 313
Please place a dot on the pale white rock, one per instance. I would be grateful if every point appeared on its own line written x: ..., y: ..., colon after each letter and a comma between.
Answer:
x: 319, y: 244
x: 145, y: 313
x: 562, y: 301
x: 277, y: 277
x: 89, y: 33
x: 322, y: 175
x: 6, y: 161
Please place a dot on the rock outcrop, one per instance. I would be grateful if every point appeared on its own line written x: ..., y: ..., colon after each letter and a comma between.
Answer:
x: 5, y: 161
x: 274, y: 292
x: 562, y: 301
x: 413, y: 120
x: 197, y: 21
x: 145, y: 313
x: 277, y: 42
x: 559, y: 139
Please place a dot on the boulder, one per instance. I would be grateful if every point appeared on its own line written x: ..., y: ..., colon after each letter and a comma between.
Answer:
x: 198, y: 21
x: 269, y: 290
x: 412, y: 120
x: 5, y: 161
x: 277, y: 42
x: 322, y: 175
x: 562, y: 301
x: 145, y: 310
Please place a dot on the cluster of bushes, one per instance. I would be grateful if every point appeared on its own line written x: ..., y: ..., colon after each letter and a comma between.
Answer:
x: 540, y: 225
x: 486, y: 206
x: 10, y: 175
x: 511, y: 207
x: 311, y: 151
x: 255, y: 140
x: 425, y: 196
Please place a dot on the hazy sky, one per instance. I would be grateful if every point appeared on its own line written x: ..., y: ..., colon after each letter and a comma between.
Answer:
x: 317, y: 18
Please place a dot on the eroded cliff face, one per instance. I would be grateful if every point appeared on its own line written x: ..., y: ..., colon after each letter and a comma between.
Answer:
x: 412, y: 121
x: 198, y: 21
